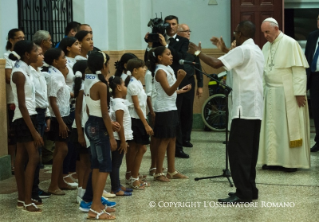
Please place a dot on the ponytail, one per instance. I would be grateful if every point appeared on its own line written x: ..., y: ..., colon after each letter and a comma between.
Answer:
x: 114, y: 81
x: 153, y: 57
x: 79, y: 70
x: 119, y: 65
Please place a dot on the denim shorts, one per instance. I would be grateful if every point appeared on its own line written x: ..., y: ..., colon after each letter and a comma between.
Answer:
x: 99, y: 144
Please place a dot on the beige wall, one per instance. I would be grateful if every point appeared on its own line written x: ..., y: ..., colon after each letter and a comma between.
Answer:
x: 3, y: 112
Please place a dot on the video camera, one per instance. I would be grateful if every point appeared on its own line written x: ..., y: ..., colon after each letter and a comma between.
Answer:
x: 158, y: 27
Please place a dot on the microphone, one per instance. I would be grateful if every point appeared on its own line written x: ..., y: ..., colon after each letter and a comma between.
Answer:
x: 182, y: 62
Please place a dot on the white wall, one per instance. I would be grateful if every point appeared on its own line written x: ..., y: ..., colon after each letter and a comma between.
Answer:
x: 8, y: 21
x: 122, y: 24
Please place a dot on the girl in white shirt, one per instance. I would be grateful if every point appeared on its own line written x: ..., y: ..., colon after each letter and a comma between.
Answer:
x: 14, y: 36
x: 24, y: 122
x: 166, y: 121
x: 71, y: 48
x: 85, y: 39
x: 121, y: 115
x: 59, y: 97
x: 43, y: 113
x: 121, y: 66
x: 141, y: 130
x: 98, y: 128
x: 81, y: 143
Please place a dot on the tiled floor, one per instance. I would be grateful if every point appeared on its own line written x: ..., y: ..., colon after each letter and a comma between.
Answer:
x: 189, y: 200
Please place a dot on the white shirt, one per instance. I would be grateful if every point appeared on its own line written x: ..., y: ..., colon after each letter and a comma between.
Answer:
x: 94, y: 106
x: 247, y: 63
x: 9, y: 65
x: 135, y: 88
x: 165, y: 102
x: 70, y: 61
x: 168, y: 37
x: 59, y: 89
x: 150, y: 89
x: 29, y: 90
x: 79, y: 57
x: 40, y: 85
x: 121, y: 104
x: 125, y: 75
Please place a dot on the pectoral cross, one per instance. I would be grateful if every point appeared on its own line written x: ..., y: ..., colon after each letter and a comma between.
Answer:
x: 271, y: 64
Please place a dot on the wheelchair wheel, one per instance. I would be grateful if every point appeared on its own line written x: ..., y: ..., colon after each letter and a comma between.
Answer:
x: 214, y: 112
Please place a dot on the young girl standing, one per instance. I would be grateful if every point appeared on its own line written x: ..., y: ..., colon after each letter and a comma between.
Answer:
x: 98, y: 128
x: 24, y: 122
x: 59, y: 97
x: 166, y: 121
x: 141, y: 130
x: 121, y: 115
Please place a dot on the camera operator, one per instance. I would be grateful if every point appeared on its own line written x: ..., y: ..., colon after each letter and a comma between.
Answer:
x: 185, y: 101
x: 178, y: 46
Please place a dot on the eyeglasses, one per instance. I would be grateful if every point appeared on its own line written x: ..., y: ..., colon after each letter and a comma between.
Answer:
x: 20, y: 38
x: 186, y: 31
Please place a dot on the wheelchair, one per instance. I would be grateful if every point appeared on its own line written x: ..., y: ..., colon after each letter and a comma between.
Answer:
x: 215, y: 107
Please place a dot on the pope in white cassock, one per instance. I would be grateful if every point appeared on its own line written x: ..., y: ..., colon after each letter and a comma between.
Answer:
x: 285, y: 132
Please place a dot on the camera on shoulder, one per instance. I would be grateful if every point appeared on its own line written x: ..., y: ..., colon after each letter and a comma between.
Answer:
x: 158, y: 27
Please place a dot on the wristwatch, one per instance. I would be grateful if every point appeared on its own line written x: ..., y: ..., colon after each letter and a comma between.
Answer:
x: 196, y: 53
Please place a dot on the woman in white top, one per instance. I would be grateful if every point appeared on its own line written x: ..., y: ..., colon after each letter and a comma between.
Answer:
x: 98, y: 128
x: 121, y: 66
x: 85, y: 39
x: 24, y: 122
x: 141, y: 130
x: 121, y: 115
x: 14, y: 36
x: 166, y: 121
x: 59, y: 97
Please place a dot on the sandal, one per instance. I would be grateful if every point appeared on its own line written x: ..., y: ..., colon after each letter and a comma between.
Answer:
x: 74, y: 184
x: 20, y: 206
x: 176, y: 175
x: 97, y: 217
x: 56, y: 192
x: 127, y: 181
x: 108, y: 209
x: 126, y: 189
x: 37, y: 210
x: 150, y: 171
x: 140, y: 187
x: 156, y: 177
x: 142, y: 177
x: 125, y: 193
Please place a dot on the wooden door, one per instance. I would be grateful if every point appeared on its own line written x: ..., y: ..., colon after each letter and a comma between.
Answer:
x: 256, y: 11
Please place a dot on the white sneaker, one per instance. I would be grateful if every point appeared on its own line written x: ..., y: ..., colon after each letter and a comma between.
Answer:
x: 108, y: 195
x: 78, y: 199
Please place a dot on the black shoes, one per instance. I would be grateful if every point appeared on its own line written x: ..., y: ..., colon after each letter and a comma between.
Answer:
x: 315, y: 148
x: 288, y: 170
x: 187, y: 144
x: 181, y: 154
x: 42, y: 194
x: 255, y: 196
x: 234, y: 199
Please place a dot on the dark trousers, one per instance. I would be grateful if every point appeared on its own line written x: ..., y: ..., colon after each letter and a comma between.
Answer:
x: 69, y: 163
x: 314, y: 99
x: 243, y: 154
x: 117, y: 158
x: 88, y: 195
x: 184, y: 103
x: 40, y: 129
